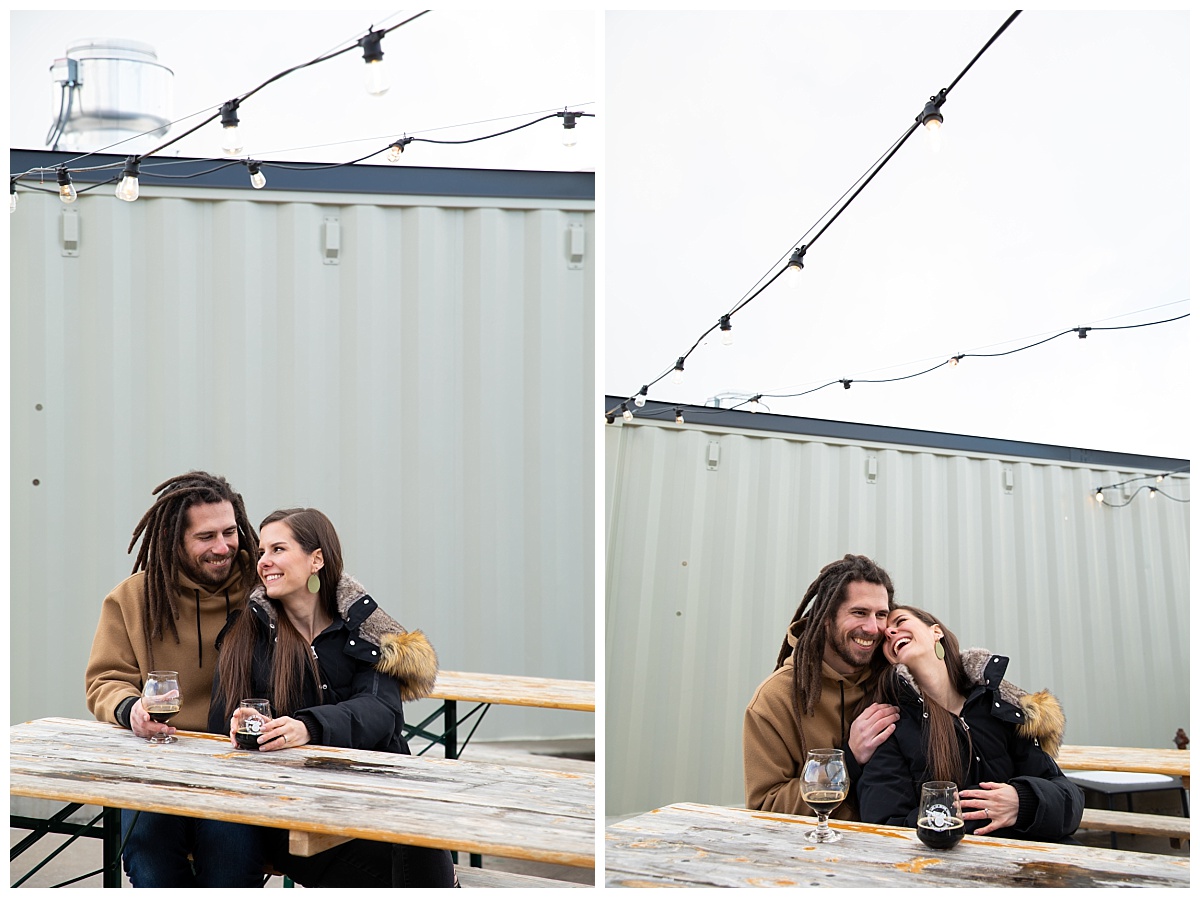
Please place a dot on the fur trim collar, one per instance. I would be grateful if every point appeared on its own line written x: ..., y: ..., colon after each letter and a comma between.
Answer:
x: 1044, y: 720
x: 409, y: 657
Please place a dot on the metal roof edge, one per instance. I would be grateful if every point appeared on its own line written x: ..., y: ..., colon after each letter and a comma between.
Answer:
x: 320, y: 177
x: 880, y: 433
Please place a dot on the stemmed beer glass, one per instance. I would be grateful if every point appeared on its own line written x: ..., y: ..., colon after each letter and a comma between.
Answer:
x: 824, y: 785
x: 160, y: 698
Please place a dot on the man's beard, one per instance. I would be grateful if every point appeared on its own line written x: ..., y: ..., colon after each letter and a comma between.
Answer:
x: 201, y: 575
x: 842, y: 647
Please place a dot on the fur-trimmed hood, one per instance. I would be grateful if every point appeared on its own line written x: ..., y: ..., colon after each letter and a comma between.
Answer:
x: 407, y: 656
x: 1038, y: 715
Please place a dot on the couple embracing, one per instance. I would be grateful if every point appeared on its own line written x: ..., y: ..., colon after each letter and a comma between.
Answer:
x: 890, y: 686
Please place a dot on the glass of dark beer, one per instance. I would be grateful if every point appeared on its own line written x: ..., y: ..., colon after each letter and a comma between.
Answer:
x: 824, y: 785
x: 939, y: 819
x: 160, y: 698
x: 253, y: 714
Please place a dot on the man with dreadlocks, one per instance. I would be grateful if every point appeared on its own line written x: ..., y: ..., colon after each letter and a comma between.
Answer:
x: 192, y: 571
x: 827, y: 666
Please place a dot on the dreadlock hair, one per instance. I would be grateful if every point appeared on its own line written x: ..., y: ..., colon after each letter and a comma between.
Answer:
x: 943, y: 753
x: 818, y: 609
x: 291, y: 654
x: 163, y: 527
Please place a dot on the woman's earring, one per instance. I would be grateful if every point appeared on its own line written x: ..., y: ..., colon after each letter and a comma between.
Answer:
x: 314, y: 584
x: 937, y: 649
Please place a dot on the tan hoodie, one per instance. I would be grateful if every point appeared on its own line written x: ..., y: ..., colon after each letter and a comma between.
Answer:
x: 119, y: 662
x: 771, y: 754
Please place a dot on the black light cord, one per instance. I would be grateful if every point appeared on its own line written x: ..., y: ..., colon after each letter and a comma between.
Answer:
x: 939, y: 99
x: 845, y: 382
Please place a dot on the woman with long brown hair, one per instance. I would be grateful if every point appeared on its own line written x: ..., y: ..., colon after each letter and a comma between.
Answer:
x: 336, y: 669
x: 962, y: 722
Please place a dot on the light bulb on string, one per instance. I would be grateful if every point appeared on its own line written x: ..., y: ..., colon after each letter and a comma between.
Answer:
x: 726, y: 331
x: 128, y: 188
x: 795, y: 266
x: 66, y: 190
x: 12, y: 195
x: 931, y: 118
x: 569, y: 137
x: 678, y: 416
x: 376, y: 78
x: 677, y: 374
x: 640, y: 399
x: 954, y: 360
x: 232, y: 139
x: 626, y: 414
x: 755, y: 406
x: 397, y: 148
x: 257, y: 179
x: 1153, y: 492
x: 1100, y: 496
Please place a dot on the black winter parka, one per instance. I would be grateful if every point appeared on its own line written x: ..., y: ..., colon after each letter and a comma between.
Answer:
x: 1007, y: 733
x: 362, y: 658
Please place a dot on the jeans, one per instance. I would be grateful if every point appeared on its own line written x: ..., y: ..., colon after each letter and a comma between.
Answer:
x: 360, y: 863
x: 222, y: 854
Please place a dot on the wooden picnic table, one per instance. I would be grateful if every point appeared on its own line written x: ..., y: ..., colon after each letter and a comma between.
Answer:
x: 486, y: 690
x: 704, y: 845
x: 501, y: 689
x: 313, y: 791
x: 1171, y: 762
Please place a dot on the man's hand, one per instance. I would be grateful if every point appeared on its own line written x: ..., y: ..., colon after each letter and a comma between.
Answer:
x: 142, y: 725
x: 871, y: 729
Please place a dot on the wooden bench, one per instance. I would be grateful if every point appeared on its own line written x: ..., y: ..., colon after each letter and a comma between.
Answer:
x: 1167, y: 762
x: 481, y: 878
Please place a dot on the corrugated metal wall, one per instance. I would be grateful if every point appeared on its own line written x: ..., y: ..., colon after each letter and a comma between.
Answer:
x: 429, y: 388
x: 705, y: 567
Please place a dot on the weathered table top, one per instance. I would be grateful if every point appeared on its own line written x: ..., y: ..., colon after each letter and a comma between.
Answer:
x: 501, y: 689
x: 703, y: 845
x: 492, y: 809
x: 1130, y: 760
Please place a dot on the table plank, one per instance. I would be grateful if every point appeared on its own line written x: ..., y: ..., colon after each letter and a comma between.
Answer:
x: 702, y: 845
x: 480, y: 808
x: 501, y: 689
x: 1132, y: 760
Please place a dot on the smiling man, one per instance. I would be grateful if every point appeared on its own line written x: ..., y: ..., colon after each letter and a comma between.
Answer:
x: 192, y: 570
x: 827, y: 666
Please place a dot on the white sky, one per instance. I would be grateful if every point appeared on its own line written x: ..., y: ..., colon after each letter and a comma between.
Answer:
x: 446, y: 68
x: 1059, y: 197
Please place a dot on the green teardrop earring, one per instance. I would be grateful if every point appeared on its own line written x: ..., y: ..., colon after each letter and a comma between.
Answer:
x: 937, y: 649
x: 314, y: 584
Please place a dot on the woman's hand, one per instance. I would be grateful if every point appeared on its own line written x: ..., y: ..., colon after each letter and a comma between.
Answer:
x: 283, y: 732
x: 995, y: 802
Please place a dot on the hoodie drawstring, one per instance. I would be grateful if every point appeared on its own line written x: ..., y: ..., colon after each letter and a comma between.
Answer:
x: 199, y: 637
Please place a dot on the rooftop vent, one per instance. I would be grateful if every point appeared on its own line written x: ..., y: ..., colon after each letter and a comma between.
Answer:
x: 109, y: 91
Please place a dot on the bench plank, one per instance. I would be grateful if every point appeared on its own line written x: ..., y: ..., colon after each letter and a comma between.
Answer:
x: 483, y: 878
x: 1140, y: 824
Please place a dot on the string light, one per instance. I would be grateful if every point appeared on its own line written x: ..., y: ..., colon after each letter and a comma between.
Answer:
x: 569, y: 137
x: 755, y: 406
x: 677, y: 371
x: 795, y: 266
x: 12, y: 195
x: 376, y: 80
x: 1154, y: 491
x: 640, y: 399
x: 397, y: 148
x: 726, y: 331
x: 931, y: 114
x: 66, y: 190
x: 231, y: 136
x: 257, y: 179
x: 127, y: 187
x: 678, y: 415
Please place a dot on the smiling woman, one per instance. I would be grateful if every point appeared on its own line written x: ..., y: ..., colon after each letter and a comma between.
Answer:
x: 962, y: 722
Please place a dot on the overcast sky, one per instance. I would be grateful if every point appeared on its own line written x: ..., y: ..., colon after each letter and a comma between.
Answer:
x: 446, y: 68
x: 1059, y: 197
